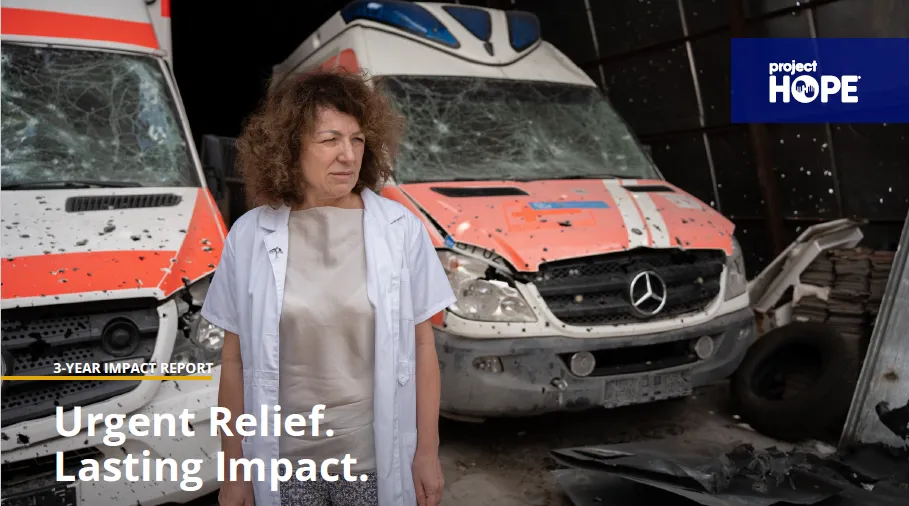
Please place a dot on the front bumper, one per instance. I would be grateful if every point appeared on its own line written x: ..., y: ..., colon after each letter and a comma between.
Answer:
x: 31, y: 468
x: 535, y: 376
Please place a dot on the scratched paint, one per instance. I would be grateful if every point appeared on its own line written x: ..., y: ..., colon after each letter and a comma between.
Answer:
x: 578, y: 218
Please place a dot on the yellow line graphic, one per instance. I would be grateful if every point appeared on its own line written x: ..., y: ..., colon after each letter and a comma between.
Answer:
x: 107, y: 378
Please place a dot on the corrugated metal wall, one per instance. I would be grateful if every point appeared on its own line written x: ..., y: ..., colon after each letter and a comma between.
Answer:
x: 665, y: 66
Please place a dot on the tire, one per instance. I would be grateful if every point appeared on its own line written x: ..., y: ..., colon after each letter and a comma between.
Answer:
x: 807, y: 353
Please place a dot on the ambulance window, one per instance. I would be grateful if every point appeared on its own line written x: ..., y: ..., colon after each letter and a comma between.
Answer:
x: 478, y: 128
x: 72, y: 114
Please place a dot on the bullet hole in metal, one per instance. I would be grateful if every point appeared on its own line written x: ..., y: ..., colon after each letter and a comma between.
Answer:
x: 637, y: 231
x: 135, y: 237
x: 182, y: 231
x: 566, y: 223
x: 141, y: 258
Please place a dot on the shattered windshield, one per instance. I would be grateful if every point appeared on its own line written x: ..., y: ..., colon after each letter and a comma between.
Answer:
x: 73, y: 115
x: 480, y: 129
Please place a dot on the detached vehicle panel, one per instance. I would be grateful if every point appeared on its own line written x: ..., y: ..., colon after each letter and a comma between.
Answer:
x: 109, y: 239
x: 583, y: 278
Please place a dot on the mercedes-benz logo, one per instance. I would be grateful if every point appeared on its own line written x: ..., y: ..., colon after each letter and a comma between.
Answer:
x: 647, y: 293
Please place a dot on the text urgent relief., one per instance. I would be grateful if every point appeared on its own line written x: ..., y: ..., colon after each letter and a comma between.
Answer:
x: 806, y: 88
x: 148, y: 469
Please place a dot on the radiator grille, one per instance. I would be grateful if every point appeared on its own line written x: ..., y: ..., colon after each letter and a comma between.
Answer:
x: 593, y: 291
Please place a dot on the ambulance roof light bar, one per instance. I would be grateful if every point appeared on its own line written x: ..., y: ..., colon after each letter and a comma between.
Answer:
x: 403, y: 15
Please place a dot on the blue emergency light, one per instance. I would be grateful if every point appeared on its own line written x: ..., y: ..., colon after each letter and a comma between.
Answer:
x: 476, y: 21
x: 523, y: 29
x: 403, y: 15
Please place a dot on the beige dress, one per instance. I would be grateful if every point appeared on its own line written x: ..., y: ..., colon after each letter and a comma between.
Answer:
x: 327, y: 337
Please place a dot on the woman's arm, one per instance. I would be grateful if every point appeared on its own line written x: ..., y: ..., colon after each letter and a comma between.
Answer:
x: 428, y: 378
x: 230, y: 393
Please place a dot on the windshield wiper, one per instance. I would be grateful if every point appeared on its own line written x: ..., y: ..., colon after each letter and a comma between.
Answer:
x: 75, y: 183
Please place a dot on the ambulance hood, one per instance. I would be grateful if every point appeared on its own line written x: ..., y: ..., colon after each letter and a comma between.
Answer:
x: 529, y: 223
x: 91, y: 244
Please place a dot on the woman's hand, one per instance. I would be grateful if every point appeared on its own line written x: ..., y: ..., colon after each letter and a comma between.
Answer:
x: 428, y: 480
x: 236, y: 493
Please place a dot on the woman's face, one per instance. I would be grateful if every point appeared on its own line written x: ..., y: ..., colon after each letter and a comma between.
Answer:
x: 332, y: 156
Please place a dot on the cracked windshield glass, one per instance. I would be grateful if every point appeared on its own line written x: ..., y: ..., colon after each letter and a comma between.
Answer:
x: 71, y: 115
x: 483, y: 129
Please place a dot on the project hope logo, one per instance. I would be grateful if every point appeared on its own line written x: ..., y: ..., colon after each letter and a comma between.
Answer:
x: 791, y: 80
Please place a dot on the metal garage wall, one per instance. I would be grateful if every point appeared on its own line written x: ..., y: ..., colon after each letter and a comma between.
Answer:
x: 665, y: 66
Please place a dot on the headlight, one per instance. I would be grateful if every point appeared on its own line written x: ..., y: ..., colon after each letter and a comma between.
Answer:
x: 736, y: 282
x: 203, y: 341
x: 482, y: 299
x: 203, y: 344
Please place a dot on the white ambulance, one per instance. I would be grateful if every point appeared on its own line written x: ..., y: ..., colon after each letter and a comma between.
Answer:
x: 109, y: 237
x: 584, y: 278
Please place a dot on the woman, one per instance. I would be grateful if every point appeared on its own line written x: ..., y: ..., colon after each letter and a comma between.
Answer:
x: 325, y: 291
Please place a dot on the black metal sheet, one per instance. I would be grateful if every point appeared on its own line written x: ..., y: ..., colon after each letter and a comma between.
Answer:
x: 874, y: 169
x: 712, y: 57
x: 734, y: 476
x: 704, y: 15
x: 625, y: 25
x: 565, y: 25
x: 683, y: 160
x: 879, y: 18
x: 654, y: 90
x: 802, y: 163
x: 736, y: 176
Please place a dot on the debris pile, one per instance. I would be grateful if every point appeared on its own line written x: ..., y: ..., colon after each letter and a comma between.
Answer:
x: 857, y: 279
x: 683, y: 473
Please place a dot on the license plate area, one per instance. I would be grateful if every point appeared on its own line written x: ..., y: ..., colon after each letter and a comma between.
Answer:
x: 646, y: 388
x: 59, y: 495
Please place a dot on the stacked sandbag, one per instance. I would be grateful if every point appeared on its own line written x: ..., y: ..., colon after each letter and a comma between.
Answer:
x: 857, y: 278
x: 810, y: 309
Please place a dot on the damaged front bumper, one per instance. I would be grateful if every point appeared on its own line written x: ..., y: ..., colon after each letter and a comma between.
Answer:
x: 33, y: 468
x: 529, y: 376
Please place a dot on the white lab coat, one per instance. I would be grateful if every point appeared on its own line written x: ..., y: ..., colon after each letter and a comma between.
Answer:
x: 406, y: 284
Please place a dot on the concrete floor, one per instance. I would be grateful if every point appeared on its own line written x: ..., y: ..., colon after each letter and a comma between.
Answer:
x: 506, y: 462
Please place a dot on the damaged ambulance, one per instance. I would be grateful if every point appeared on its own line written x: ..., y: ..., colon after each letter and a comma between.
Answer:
x: 109, y: 238
x: 584, y: 279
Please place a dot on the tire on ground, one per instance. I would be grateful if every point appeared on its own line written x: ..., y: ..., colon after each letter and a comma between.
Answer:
x: 819, y: 409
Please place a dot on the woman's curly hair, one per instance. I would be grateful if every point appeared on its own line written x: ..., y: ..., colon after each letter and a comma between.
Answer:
x: 270, y: 146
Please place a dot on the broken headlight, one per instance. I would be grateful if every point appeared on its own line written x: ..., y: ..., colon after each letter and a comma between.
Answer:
x: 482, y: 297
x: 736, y: 282
x: 200, y: 340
